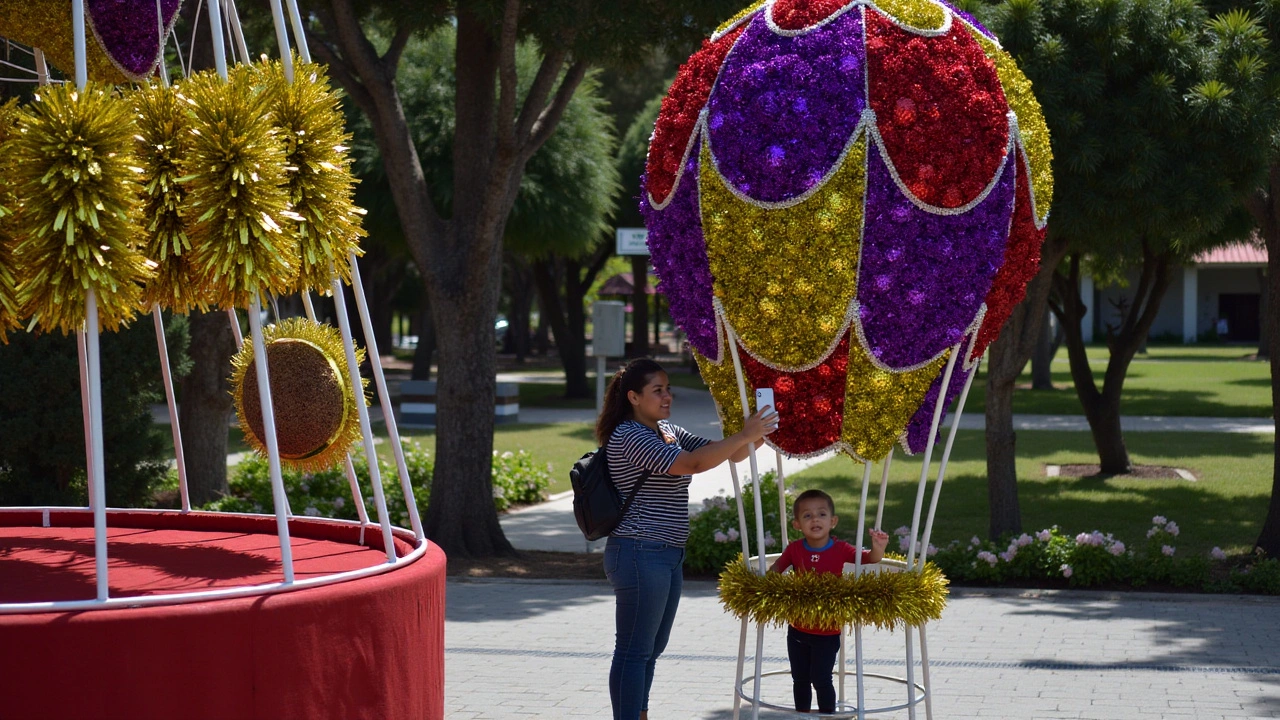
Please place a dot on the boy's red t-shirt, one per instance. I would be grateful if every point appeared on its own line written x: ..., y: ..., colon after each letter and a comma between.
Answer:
x: 830, y: 559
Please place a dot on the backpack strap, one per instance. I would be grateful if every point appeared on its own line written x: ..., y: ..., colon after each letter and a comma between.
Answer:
x: 634, y: 492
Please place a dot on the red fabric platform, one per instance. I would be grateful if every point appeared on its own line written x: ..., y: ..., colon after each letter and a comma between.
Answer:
x: 371, y: 647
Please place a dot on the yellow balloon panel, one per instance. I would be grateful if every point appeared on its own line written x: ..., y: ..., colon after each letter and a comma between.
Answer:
x: 922, y: 14
x: 878, y: 403
x: 1031, y: 124
x: 723, y: 383
x: 786, y: 275
x: 46, y: 24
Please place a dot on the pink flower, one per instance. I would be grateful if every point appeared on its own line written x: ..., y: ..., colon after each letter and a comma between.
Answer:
x: 988, y: 557
x: 974, y: 540
x: 1151, y: 533
x: 1159, y: 520
x: 904, y: 530
x: 1168, y: 550
x: 904, y: 543
x: 933, y: 550
x: 1172, y: 529
x: 1066, y: 571
x: 1217, y: 554
x: 721, y: 537
x: 1117, y: 548
x: 1023, y: 540
x: 1010, y: 554
x: 733, y: 534
x: 1044, y: 535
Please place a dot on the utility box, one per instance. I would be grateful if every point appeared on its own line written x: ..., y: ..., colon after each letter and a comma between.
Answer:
x: 609, y: 336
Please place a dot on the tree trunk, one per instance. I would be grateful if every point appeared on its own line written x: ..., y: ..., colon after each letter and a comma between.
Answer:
x: 1042, y: 358
x: 567, y: 321
x: 422, y: 355
x: 1264, y: 299
x: 1102, y: 406
x: 1265, y: 207
x: 1006, y: 358
x: 519, y: 285
x: 639, y: 306
x: 206, y: 407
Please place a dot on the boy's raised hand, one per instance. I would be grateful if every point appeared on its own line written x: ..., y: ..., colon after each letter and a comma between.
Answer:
x: 879, y: 541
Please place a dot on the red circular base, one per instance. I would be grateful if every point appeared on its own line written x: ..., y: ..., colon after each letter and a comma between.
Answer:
x: 371, y: 647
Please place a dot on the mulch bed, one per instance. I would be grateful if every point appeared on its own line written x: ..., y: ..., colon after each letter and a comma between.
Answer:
x: 1139, y: 472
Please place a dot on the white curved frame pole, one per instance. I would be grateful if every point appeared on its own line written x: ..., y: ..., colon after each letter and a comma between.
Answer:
x: 295, y: 18
x: 282, y: 39
x: 942, y: 468
x: 279, y: 498
x: 746, y: 558
x: 167, y: 374
x: 755, y: 484
x: 384, y: 397
x: 219, y: 42
x: 237, y: 33
x: 366, y: 429
x: 857, y: 572
x: 782, y: 498
x: 356, y: 496
x: 83, y: 352
x: 884, y: 489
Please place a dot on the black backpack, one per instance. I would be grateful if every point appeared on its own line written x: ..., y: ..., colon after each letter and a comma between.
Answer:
x: 597, y: 506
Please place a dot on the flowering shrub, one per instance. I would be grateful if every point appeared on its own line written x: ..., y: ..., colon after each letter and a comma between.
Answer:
x: 1096, y: 558
x: 714, y: 537
x: 328, y: 494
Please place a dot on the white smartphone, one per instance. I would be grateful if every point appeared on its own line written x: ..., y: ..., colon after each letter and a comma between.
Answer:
x: 764, y: 396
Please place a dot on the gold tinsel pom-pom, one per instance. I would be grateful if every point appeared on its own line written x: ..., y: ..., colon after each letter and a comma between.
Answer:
x: 883, y: 599
x: 163, y: 139
x: 315, y: 412
x: 73, y: 159
x: 9, y: 315
x: 309, y: 117
x: 235, y: 179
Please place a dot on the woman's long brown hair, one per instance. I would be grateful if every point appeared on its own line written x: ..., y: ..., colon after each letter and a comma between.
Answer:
x: 632, y: 377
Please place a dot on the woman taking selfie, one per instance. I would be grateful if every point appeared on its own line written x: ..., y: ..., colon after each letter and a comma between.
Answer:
x: 643, y: 556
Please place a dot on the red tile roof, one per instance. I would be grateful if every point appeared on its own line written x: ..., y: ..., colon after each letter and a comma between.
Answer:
x: 1241, y: 253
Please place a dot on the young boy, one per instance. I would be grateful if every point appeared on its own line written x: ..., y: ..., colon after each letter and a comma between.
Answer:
x: 812, y: 651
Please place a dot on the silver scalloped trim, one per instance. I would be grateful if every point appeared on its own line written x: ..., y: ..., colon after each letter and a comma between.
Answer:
x: 792, y: 202
x: 1039, y: 222
x: 698, y: 126
x: 862, y: 340
x: 722, y: 316
x: 934, y: 209
x: 923, y: 32
x: 783, y: 32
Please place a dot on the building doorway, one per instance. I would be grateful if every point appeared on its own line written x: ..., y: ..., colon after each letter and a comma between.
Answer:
x: 1241, y: 311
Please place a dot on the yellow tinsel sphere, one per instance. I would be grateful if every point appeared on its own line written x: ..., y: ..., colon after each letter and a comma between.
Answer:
x: 308, y: 115
x: 72, y: 160
x: 9, y: 316
x: 238, y: 199
x: 315, y: 412
x: 163, y: 139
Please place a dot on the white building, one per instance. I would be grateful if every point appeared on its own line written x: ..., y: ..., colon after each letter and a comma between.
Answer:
x: 1217, y: 297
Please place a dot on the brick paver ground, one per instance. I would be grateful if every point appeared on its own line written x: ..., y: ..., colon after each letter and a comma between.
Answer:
x: 521, y: 649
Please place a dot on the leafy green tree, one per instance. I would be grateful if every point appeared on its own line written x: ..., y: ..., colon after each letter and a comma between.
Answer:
x: 495, y: 136
x: 1151, y: 107
x: 42, y: 457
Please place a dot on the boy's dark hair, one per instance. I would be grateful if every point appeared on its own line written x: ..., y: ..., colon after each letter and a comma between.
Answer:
x: 810, y: 495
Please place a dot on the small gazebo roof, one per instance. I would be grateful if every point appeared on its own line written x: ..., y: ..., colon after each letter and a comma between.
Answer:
x: 624, y: 284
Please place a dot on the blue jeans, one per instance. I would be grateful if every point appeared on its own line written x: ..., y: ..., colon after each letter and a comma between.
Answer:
x: 812, y: 657
x: 647, y: 576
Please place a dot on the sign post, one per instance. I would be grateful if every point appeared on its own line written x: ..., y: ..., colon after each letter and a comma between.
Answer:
x: 608, y: 339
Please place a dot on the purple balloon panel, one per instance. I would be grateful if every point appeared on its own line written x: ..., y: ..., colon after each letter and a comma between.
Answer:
x: 916, y: 435
x: 679, y: 254
x: 784, y: 107
x: 129, y: 31
x: 923, y: 277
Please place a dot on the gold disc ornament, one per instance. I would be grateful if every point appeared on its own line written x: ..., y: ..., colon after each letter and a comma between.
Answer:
x: 315, y: 412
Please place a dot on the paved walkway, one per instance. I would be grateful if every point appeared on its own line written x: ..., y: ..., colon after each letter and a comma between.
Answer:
x: 521, y: 649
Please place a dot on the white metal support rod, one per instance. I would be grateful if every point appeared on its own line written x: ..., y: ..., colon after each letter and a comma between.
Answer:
x: 857, y: 655
x: 742, y: 656
x: 282, y: 39
x: 743, y: 534
x: 42, y: 68
x: 164, y: 71
x: 783, y: 520
x: 83, y: 352
x: 755, y: 484
x: 857, y: 572
x: 78, y: 43
x: 840, y: 665
x: 928, y: 453
x: 942, y: 467
x: 219, y: 42
x: 167, y: 375
x: 269, y: 430
x: 366, y: 429
x: 388, y: 410
x: 356, y: 496
x: 884, y: 488
x: 304, y: 51
x: 96, y: 471
x: 235, y: 327
x: 237, y: 33
x: 911, y: 675
x: 924, y: 674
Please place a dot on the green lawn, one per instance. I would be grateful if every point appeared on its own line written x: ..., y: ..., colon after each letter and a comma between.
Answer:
x: 1204, y: 381
x: 1224, y: 507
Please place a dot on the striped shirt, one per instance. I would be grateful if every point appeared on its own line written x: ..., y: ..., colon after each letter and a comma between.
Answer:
x: 661, y: 510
